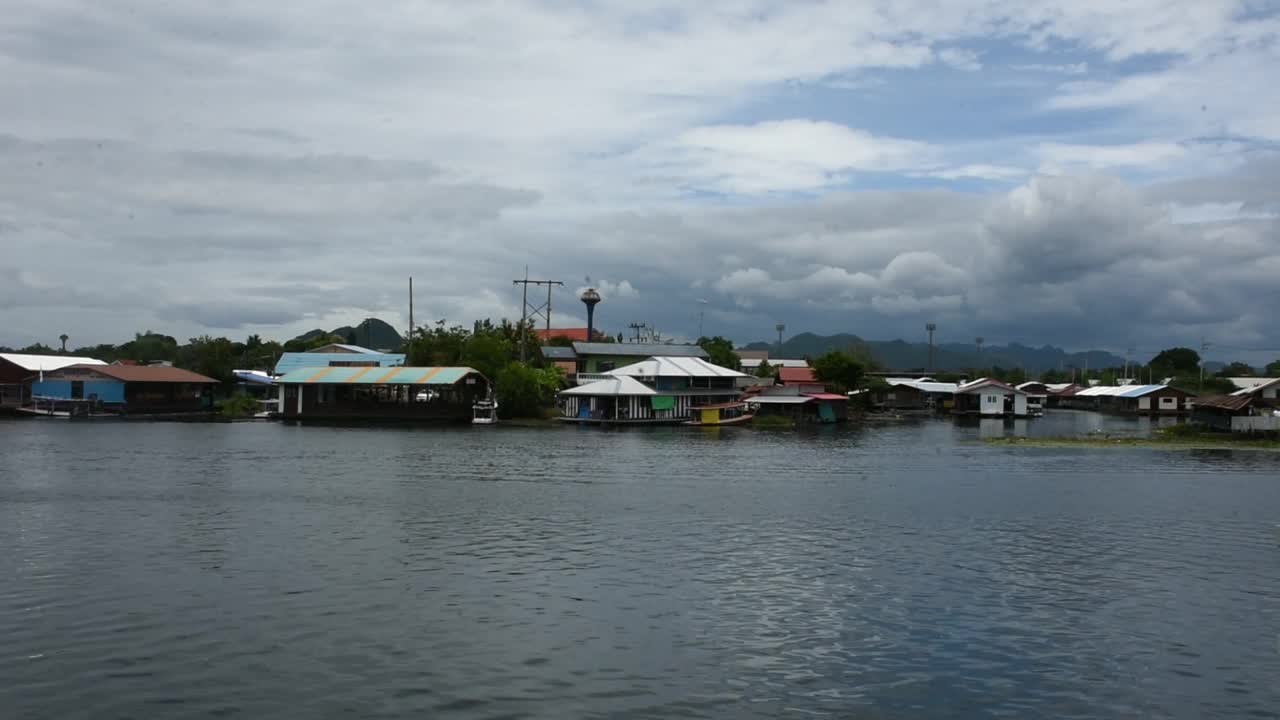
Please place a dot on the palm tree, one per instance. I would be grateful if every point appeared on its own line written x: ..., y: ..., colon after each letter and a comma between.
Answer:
x: 64, y: 337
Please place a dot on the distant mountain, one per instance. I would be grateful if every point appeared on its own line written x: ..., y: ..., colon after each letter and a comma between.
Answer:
x: 902, y: 355
x: 373, y: 333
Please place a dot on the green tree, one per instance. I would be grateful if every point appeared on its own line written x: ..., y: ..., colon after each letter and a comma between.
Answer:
x: 1055, y: 376
x: 488, y: 352
x: 38, y: 349
x: 525, y: 392
x: 210, y: 356
x: 1273, y: 369
x: 1236, y: 369
x: 766, y: 371
x: 720, y: 352
x: 1176, y: 361
x: 150, y: 347
x: 438, y: 345
x: 839, y: 369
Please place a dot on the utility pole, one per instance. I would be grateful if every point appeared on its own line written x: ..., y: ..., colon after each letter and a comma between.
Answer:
x: 1127, y: 352
x: 638, y: 330
x: 931, y: 327
x: 410, y: 310
x: 702, y: 311
x: 527, y: 310
x: 781, y: 328
x: 1204, y: 348
x: 978, y: 341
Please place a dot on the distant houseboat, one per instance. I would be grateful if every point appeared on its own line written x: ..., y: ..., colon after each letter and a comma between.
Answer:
x: 656, y: 391
x: 138, y: 390
x: 402, y: 394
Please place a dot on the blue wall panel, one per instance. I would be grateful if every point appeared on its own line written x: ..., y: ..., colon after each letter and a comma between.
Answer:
x: 108, y: 391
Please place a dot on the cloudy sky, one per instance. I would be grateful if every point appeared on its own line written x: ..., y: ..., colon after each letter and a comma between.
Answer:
x: 1098, y: 173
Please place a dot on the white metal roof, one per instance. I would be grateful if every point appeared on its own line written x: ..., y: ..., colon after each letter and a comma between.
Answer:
x: 664, y: 366
x: 780, y: 362
x: 1266, y: 383
x: 1058, y: 387
x: 987, y: 382
x: 618, y: 386
x: 924, y: 386
x: 46, y: 363
x: 1249, y: 383
x: 349, y: 348
x: 1128, y: 391
x: 779, y: 399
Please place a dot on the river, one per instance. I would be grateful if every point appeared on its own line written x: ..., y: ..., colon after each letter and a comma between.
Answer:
x: 267, y: 570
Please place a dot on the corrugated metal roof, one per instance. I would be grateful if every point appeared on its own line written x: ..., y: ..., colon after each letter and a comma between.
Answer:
x: 663, y: 366
x: 827, y: 396
x: 147, y: 373
x: 376, y: 376
x: 45, y: 363
x: 349, y: 348
x: 620, y: 385
x: 929, y: 387
x: 1125, y: 391
x: 291, y: 361
x: 1233, y: 403
x: 553, y: 352
x: 780, y: 399
x: 1267, y: 384
x: 754, y: 363
x: 639, y: 349
x: 796, y: 375
x: 1245, y: 383
x: 987, y: 382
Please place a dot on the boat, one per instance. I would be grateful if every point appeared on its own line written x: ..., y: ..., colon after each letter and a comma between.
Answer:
x: 485, y: 412
x: 729, y: 413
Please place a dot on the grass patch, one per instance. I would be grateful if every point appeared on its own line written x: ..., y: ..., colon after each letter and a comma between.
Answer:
x: 240, y: 405
x: 772, y: 422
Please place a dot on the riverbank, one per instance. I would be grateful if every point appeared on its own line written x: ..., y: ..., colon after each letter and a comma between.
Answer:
x: 1160, y: 440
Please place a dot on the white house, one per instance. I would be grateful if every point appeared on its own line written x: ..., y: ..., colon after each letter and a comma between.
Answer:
x: 990, y: 398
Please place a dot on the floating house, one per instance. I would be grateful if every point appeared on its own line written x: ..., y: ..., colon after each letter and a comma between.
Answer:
x: 988, y: 397
x: 406, y: 394
x: 1242, y: 413
x: 592, y: 359
x: 819, y: 407
x: 1132, y: 399
x: 924, y: 394
x: 1037, y: 396
x: 19, y: 370
x: 657, y: 390
x: 124, y: 389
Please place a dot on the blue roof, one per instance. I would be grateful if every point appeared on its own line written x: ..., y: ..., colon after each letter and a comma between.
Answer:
x: 1141, y: 390
x: 291, y: 361
x: 377, y: 376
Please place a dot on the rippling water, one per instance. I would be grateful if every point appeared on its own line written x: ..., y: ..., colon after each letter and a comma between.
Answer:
x: 170, y: 570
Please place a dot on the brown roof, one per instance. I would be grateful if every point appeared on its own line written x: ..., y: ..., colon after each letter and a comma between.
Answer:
x: 793, y: 375
x: 1225, y: 402
x: 147, y: 373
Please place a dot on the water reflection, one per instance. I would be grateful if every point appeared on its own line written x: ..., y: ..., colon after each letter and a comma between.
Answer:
x: 882, y: 570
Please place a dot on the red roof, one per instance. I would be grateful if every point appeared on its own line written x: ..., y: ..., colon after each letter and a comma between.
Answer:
x: 576, y: 334
x: 147, y: 373
x: 795, y: 375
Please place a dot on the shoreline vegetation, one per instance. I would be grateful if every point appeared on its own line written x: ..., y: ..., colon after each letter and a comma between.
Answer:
x: 1178, y: 437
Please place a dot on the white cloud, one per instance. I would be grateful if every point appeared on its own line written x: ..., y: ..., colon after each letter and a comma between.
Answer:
x: 1056, y: 156
x: 1079, y: 68
x: 981, y: 171
x: 779, y: 156
x: 961, y: 59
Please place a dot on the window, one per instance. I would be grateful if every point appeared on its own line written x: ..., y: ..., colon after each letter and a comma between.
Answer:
x: 991, y: 399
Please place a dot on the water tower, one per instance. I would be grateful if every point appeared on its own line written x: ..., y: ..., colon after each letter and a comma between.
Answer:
x: 590, y: 298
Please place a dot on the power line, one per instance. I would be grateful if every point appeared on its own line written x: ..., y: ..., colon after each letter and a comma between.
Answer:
x: 527, y: 310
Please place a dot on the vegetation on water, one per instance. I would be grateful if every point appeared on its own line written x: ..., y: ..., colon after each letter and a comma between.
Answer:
x: 1175, y: 437
x: 772, y: 422
x: 239, y: 405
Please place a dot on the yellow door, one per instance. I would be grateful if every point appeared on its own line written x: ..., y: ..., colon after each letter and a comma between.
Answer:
x: 711, y: 417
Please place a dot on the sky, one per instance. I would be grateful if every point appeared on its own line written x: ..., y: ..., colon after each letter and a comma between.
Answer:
x: 1093, y: 174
